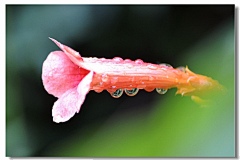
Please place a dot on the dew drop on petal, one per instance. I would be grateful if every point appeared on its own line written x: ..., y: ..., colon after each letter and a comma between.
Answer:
x: 111, y: 90
x: 132, y: 92
x: 161, y: 90
x: 149, y: 89
x: 165, y: 64
x: 102, y: 59
x: 118, y: 59
x: 181, y: 68
x: 151, y: 78
x: 104, y: 77
x: 127, y: 60
x: 118, y: 93
x: 138, y: 61
x: 98, y: 87
x: 98, y: 90
x: 114, y: 80
x: 151, y: 66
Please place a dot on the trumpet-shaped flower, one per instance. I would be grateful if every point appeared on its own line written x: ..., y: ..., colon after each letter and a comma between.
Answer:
x: 69, y: 77
x: 67, y: 81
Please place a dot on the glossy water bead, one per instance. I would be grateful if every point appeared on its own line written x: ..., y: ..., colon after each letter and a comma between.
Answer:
x: 118, y: 93
x: 161, y: 90
x: 132, y: 92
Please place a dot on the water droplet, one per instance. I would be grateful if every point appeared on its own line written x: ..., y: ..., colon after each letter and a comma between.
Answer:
x: 151, y: 78
x: 98, y: 90
x: 104, y: 77
x: 98, y: 87
x: 127, y: 60
x: 117, y: 59
x: 166, y: 64
x: 139, y: 61
x: 114, y: 80
x: 111, y: 90
x: 118, y: 93
x: 149, y: 89
x: 152, y: 66
x: 181, y: 68
x: 132, y: 92
x: 161, y: 90
x: 102, y: 58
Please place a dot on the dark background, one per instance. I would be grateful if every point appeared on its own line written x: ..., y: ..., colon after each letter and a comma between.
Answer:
x: 201, y: 37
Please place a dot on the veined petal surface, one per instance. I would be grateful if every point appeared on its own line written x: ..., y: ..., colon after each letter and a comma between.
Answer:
x: 60, y: 74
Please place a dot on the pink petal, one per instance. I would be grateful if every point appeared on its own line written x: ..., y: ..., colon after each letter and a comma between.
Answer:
x: 70, y: 102
x: 73, y: 55
x: 60, y: 74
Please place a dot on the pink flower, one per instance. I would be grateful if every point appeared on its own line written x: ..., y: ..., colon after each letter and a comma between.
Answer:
x: 64, y: 78
x: 70, y: 77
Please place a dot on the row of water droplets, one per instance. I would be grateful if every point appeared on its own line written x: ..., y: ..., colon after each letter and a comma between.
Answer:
x: 119, y: 92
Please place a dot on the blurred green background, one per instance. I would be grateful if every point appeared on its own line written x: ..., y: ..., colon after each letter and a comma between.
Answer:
x: 146, y: 125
